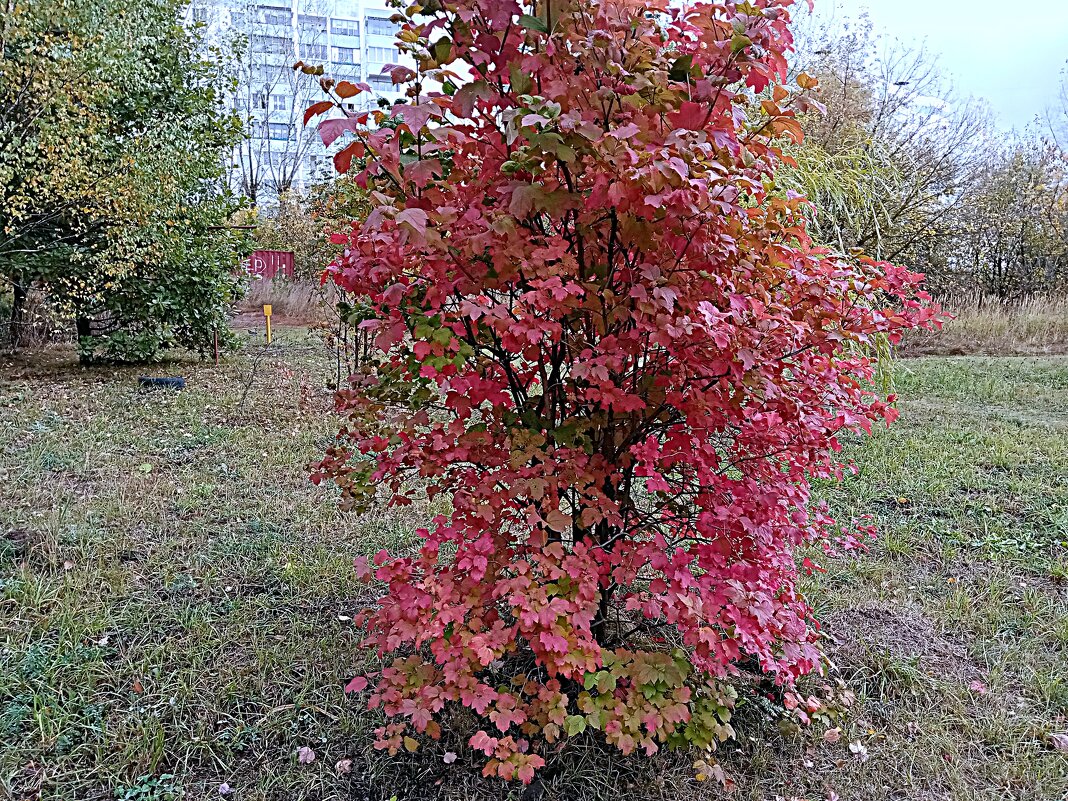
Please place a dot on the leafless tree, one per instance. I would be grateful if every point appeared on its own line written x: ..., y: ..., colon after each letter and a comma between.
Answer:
x: 921, y: 143
x: 271, y: 97
x: 1057, y: 114
x: 1011, y: 241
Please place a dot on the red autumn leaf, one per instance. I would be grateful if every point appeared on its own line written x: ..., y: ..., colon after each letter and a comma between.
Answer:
x: 422, y: 172
x: 360, y: 563
x: 481, y: 741
x: 416, y: 116
x: 414, y: 219
x: 526, y: 773
x: 347, y: 89
x: 317, y: 108
x: 343, y: 158
x: 358, y: 684
x: 463, y: 102
x: 399, y: 73
x: 330, y: 130
x: 524, y: 199
x: 690, y: 115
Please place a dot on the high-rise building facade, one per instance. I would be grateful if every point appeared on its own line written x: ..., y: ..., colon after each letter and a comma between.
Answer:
x: 261, y: 40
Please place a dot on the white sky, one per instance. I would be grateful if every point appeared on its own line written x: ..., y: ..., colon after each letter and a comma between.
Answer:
x: 1009, y: 53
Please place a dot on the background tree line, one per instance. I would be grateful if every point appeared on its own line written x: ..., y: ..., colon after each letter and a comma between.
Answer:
x: 116, y: 153
x: 112, y: 144
x: 894, y: 163
x: 903, y: 168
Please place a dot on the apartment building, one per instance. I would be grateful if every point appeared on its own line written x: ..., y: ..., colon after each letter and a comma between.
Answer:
x: 352, y: 39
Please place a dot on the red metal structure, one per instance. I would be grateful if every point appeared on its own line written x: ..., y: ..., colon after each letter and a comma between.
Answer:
x: 271, y: 263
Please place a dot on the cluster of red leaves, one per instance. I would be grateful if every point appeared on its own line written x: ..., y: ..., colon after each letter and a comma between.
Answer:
x: 608, y: 341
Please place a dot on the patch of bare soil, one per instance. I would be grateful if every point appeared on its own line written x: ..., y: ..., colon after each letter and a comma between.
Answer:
x: 980, y: 349
x: 53, y: 360
x: 253, y: 319
x: 898, y: 633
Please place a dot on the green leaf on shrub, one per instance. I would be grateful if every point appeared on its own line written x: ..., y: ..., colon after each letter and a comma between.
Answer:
x: 533, y: 23
x: 574, y: 724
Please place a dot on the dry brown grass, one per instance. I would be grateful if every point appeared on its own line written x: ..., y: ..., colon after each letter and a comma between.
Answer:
x: 1032, y: 327
x: 292, y: 301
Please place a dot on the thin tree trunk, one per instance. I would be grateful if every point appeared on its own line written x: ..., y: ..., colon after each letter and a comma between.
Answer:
x: 84, y: 327
x: 17, y: 323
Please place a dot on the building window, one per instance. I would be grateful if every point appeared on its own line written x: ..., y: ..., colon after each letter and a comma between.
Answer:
x: 313, y: 51
x: 276, y: 16
x: 200, y: 14
x: 280, y: 130
x: 237, y: 19
x: 383, y: 55
x: 272, y: 44
x: 346, y: 55
x: 312, y: 24
x: 381, y: 82
x: 259, y: 100
x: 345, y: 27
x: 378, y: 26
x: 279, y: 103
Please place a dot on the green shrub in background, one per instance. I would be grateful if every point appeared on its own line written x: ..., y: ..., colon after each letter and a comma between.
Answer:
x: 112, y: 198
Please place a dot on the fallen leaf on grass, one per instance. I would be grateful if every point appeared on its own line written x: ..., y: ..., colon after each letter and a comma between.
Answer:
x: 1060, y: 742
x: 343, y: 766
x: 225, y: 789
x: 449, y: 758
x: 977, y: 687
x: 714, y: 771
x: 859, y: 750
x: 305, y: 756
x: 356, y: 685
x: 832, y: 735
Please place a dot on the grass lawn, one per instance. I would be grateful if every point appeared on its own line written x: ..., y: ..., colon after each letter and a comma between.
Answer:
x: 175, y: 599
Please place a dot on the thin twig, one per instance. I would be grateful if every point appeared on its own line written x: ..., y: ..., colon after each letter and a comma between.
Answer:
x: 252, y: 374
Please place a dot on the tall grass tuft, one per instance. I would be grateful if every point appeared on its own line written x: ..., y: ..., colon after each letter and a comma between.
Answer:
x: 985, y: 326
x: 297, y: 301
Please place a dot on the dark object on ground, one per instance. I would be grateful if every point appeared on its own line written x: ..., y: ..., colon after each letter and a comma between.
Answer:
x: 147, y: 382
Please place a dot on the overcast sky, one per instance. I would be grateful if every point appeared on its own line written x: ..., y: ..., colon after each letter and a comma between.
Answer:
x: 992, y: 49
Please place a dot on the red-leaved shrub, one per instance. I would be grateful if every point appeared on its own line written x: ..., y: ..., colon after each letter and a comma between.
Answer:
x: 608, y: 341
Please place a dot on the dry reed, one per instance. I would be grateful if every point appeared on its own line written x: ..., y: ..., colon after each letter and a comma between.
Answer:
x: 1033, y: 326
x: 296, y: 301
